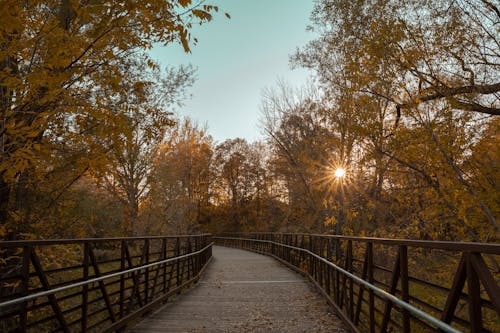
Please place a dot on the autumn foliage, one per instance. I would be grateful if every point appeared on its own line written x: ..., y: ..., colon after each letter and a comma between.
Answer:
x: 406, y: 100
x: 71, y: 83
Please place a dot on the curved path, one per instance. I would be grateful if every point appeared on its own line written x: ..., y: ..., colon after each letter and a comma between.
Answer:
x: 243, y: 291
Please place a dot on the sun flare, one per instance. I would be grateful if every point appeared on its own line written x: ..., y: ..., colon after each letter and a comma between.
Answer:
x: 339, y: 172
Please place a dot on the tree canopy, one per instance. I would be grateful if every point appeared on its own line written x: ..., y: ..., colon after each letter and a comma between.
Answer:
x: 405, y: 100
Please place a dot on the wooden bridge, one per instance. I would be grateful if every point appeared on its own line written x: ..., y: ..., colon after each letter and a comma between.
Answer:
x: 245, y: 292
x: 370, y: 284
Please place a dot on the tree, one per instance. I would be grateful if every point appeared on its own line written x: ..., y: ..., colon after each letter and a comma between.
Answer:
x: 179, y: 198
x: 145, y: 106
x: 59, y: 59
x: 436, y: 66
x: 304, y: 145
x: 244, y: 192
x: 440, y: 52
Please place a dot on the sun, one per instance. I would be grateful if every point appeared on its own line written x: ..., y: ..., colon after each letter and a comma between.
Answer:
x: 339, y: 172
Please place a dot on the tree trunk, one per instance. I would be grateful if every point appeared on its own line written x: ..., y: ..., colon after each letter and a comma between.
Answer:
x: 133, y: 215
x: 4, y: 204
x: 341, y: 215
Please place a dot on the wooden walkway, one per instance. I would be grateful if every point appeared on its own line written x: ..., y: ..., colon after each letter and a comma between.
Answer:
x: 245, y: 292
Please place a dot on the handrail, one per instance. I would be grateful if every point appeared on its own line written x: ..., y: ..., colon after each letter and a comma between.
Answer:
x: 358, y: 276
x: 32, y: 242
x: 417, y: 312
x: 97, y: 285
x: 490, y: 248
x: 101, y: 278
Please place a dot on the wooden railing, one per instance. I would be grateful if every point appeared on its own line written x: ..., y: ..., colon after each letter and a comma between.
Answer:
x: 93, y: 285
x: 392, y: 285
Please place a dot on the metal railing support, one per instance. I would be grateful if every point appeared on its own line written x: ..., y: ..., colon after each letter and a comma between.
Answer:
x: 121, y: 288
x: 337, y: 270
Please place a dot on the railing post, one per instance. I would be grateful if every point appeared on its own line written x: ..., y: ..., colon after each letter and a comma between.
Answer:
x: 455, y: 290
x: 336, y: 285
x: 146, y: 277
x: 301, y: 256
x: 102, y: 285
x: 361, y: 289
x: 475, y: 315
x: 178, y: 266
x: 311, y: 258
x: 370, y: 280
x: 311, y: 261
x: 191, y: 259
x: 403, y: 257
x: 122, y: 277
x: 288, y: 251
x: 164, y: 256
x: 351, y: 287
x: 208, y: 241
x: 85, y: 291
x: 196, y: 257
x: 396, y: 274
x: 25, y: 287
x: 319, y: 252
x: 273, y: 246
x: 329, y: 281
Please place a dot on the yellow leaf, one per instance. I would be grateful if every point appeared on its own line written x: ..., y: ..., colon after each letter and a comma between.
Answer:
x: 184, y: 3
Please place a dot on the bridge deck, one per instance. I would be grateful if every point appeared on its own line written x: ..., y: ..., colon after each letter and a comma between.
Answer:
x: 245, y: 292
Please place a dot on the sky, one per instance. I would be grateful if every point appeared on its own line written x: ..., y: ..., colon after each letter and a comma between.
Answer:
x: 239, y: 57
